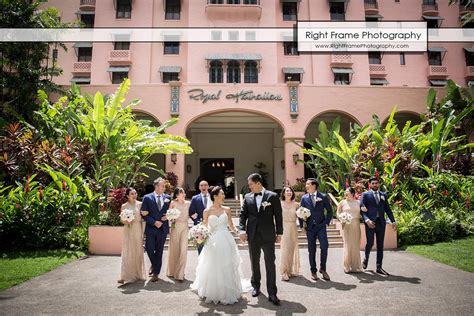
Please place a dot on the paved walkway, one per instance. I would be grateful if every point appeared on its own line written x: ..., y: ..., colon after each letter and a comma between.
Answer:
x: 88, y: 287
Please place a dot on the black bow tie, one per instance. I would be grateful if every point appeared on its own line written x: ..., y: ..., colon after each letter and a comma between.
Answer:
x: 257, y: 194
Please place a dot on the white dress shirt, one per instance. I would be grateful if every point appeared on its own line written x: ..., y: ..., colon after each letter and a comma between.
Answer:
x: 258, y: 199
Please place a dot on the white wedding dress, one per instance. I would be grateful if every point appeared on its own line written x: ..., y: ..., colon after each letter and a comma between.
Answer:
x: 218, y: 274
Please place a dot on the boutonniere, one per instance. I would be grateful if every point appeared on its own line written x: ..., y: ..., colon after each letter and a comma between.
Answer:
x: 318, y: 199
x: 265, y: 204
x: 166, y: 200
x: 382, y: 198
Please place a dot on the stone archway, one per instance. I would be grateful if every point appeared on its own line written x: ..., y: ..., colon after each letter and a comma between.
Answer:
x: 403, y: 117
x: 328, y: 117
x: 241, y: 139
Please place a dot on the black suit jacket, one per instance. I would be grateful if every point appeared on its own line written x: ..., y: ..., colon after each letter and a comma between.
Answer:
x: 268, y: 220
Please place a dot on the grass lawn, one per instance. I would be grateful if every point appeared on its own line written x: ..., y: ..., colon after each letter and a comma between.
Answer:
x: 19, y: 266
x: 458, y: 253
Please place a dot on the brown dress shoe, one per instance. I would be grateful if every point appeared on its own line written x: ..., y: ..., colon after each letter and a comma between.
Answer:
x: 314, y: 276
x: 154, y: 278
x: 325, y: 275
x: 150, y: 272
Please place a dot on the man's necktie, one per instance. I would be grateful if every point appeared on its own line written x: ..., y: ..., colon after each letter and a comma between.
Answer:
x: 313, y: 198
x: 158, y: 202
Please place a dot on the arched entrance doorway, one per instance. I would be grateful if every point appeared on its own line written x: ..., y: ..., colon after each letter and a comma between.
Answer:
x: 230, y: 145
x: 402, y: 118
x: 345, y: 121
x: 157, y: 159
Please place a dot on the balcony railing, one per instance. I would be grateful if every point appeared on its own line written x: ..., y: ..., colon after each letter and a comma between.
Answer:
x: 437, y: 71
x: 429, y: 7
x: 469, y: 71
x: 244, y: 2
x: 244, y: 10
x: 120, y: 57
x: 81, y: 67
x: 377, y: 70
x: 87, y: 5
x: 341, y: 59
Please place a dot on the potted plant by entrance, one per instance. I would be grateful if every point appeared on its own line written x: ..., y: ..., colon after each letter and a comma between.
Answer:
x: 106, y: 237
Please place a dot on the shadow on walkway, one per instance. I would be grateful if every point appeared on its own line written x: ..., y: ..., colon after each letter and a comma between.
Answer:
x: 320, y: 284
x: 161, y: 285
x: 371, y: 277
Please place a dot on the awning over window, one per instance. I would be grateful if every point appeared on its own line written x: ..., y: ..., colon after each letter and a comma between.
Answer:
x: 469, y: 49
x: 170, y: 69
x: 338, y: 1
x: 234, y: 57
x: 81, y: 80
x: 437, y: 49
x: 118, y: 69
x: 376, y: 16
x: 337, y: 70
x: 290, y: 0
x: 432, y: 17
x: 80, y: 12
x: 287, y: 36
x: 438, y: 82
x: 82, y: 44
x: 378, y: 81
x: 171, y: 35
x: 121, y: 36
x: 293, y: 70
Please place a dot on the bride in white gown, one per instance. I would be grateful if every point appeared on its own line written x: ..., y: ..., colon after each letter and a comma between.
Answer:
x: 218, y: 274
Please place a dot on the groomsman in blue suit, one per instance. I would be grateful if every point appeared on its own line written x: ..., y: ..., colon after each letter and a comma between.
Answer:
x: 374, y: 205
x: 157, y: 226
x: 316, y: 225
x: 199, y: 204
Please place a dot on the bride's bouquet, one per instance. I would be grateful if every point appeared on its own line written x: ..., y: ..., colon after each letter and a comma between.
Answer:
x: 127, y: 216
x: 303, y: 213
x: 345, y: 218
x: 199, y: 234
x: 173, y: 214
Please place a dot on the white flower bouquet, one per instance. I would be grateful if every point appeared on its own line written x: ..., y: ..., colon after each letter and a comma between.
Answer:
x: 303, y: 213
x: 345, y: 218
x: 173, y: 214
x: 199, y: 234
x: 127, y: 216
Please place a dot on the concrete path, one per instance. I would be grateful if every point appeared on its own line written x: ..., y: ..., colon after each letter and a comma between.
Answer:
x: 88, y: 287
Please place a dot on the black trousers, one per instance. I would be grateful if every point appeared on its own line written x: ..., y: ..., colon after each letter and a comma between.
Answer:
x: 256, y: 245
x: 379, y: 233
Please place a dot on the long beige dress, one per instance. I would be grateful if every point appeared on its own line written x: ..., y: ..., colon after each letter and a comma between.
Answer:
x: 290, y: 257
x: 133, y: 263
x: 178, y: 248
x: 351, y: 236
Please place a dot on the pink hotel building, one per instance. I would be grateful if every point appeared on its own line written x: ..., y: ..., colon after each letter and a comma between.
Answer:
x: 299, y: 90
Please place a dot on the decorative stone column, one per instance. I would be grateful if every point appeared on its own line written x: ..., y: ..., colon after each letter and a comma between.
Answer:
x: 293, y: 93
x: 174, y: 99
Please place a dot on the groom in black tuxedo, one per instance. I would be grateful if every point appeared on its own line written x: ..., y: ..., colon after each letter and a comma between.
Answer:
x: 261, y: 212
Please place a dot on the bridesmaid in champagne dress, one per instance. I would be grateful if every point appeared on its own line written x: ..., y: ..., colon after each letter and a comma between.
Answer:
x: 178, y: 247
x: 351, y: 232
x: 133, y: 263
x: 290, y: 257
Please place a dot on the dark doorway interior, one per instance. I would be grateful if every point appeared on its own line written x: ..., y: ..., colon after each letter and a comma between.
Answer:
x: 219, y: 171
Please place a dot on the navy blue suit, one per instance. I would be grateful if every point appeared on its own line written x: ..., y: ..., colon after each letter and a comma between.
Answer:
x: 376, y: 213
x: 197, y: 207
x: 316, y: 227
x: 155, y: 237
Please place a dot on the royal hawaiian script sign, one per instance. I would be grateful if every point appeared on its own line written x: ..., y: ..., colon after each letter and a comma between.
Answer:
x: 244, y: 95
